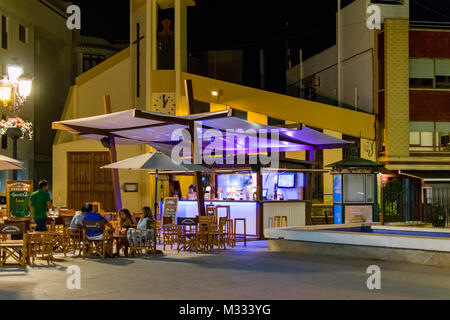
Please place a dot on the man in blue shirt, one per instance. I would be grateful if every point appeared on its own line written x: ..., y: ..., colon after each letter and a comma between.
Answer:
x: 92, y: 216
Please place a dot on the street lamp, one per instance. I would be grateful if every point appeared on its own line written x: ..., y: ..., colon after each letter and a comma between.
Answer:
x: 15, y: 88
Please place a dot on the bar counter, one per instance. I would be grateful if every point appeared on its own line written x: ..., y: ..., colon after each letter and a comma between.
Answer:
x: 294, y: 210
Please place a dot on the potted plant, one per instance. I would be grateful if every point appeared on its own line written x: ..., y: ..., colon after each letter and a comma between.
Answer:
x: 16, y: 128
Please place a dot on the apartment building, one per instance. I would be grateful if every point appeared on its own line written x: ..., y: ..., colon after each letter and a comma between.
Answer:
x: 401, y: 74
x: 35, y: 35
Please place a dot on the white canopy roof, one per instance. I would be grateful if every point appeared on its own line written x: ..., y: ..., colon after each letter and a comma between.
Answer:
x: 134, y: 126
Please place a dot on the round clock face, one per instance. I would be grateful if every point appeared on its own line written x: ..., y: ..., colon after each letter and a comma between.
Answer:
x: 164, y: 103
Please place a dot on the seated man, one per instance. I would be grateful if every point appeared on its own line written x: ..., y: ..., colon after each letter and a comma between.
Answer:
x: 77, y: 221
x: 92, y: 216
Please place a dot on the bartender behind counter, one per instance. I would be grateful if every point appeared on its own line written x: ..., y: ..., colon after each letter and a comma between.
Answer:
x: 192, y: 194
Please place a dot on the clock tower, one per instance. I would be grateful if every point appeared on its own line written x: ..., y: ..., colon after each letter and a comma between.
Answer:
x: 158, y: 51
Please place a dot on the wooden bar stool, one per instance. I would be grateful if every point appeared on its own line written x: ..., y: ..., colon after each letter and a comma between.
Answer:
x: 228, y: 211
x: 278, y: 222
x: 229, y: 233
x: 244, y: 236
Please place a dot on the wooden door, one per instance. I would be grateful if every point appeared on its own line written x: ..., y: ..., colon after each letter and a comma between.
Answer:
x: 86, y: 182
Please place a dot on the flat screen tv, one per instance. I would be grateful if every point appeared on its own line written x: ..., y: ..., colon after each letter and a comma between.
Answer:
x: 286, y: 180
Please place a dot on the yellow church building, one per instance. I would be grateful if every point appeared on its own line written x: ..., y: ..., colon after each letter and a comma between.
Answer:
x: 150, y: 75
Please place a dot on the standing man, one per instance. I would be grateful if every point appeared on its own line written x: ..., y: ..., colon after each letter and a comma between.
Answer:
x: 39, y: 204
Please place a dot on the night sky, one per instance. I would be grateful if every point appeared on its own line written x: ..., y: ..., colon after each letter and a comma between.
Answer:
x: 222, y: 24
x: 257, y: 24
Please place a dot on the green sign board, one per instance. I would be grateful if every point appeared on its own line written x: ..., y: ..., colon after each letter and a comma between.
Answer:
x: 18, y: 195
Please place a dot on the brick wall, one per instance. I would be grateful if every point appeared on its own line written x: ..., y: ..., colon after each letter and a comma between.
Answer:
x: 429, y: 44
x: 426, y: 105
x: 396, y: 48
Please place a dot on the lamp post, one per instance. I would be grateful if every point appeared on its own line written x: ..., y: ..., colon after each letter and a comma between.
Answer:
x: 14, y: 91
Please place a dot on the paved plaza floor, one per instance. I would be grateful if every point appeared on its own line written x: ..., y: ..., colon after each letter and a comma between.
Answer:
x: 250, y: 272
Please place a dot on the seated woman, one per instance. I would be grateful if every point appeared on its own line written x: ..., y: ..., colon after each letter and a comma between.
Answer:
x: 126, y: 221
x: 142, y: 231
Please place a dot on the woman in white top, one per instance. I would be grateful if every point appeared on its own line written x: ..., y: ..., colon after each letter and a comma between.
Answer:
x: 141, y: 231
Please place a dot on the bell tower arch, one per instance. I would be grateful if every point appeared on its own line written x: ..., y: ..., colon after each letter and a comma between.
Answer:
x: 158, y: 54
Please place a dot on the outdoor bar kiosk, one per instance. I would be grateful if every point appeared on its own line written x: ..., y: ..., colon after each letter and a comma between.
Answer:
x: 355, y: 198
x: 235, y: 191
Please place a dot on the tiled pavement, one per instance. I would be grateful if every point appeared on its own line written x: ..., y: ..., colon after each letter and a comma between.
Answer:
x: 240, y: 273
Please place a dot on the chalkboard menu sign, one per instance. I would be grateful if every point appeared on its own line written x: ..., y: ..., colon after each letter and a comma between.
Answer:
x: 170, y: 207
x: 18, y: 193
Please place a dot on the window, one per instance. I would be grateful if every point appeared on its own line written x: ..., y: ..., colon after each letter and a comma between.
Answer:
x: 91, y: 60
x: 355, y: 151
x: 200, y: 107
x: 354, y: 190
x: 429, y: 136
x: 421, y: 139
x: 429, y: 73
x: 421, y: 73
x: 276, y: 122
x: 421, y: 136
x: 4, y: 32
x: 240, y: 114
x: 443, y: 136
x: 370, y: 183
x: 442, y: 74
x: 22, y: 33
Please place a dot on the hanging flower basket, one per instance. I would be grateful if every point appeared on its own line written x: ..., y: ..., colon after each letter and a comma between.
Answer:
x: 17, y: 128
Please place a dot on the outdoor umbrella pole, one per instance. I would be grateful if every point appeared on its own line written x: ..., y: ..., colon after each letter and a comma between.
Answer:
x: 156, y: 208
x: 156, y: 193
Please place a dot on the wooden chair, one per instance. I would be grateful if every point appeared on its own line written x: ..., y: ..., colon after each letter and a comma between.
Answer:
x: 57, y: 231
x: 141, y: 241
x: 14, y: 249
x: 72, y: 237
x: 187, y: 234
x: 205, y: 237
x: 217, y: 232
x: 169, y: 232
x: 40, y: 244
x: 97, y: 206
x: 102, y: 247
x: 158, y: 231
